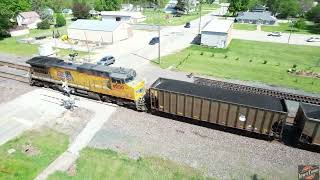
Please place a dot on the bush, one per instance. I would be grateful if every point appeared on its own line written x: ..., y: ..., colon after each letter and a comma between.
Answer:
x: 45, y: 24
x: 264, y: 62
x: 237, y: 59
x: 294, y: 66
x: 60, y: 20
x: 225, y: 56
x: 201, y: 53
x: 250, y: 60
x: 300, y: 24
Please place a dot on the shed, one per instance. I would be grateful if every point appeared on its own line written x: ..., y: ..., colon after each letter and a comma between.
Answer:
x: 105, y: 32
x: 28, y: 19
x: 256, y: 18
x: 124, y: 16
x: 217, y: 33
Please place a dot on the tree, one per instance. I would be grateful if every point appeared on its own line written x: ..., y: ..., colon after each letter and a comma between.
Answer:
x: 9, y: 10
x: 181, y: 6
x: 314, y: 14
x: 305, y: 5
x: 60, y: 20
x: 107, y: 5
x: 80, y: 9
x: 45, y: 24
x: 300, y: 24
x: 238, y: 6
x: 284, y: 8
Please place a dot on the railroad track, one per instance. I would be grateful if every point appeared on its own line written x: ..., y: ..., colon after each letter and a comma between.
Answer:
x: 256, y: 90
x: 15, y: 66
x: 14, y: 77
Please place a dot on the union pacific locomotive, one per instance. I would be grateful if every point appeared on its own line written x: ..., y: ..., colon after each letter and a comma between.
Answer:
x: 110, y: 84
x: 240, y: 111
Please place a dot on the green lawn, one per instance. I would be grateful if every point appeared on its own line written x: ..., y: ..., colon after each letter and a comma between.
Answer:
x: 210, y: 7
x: 234, y: 63
x: 168, y: 19
x: 286, y: 28
x: 20, y: 165
x: 248, y: 27
x: 11, y: 46
x: 107, y: 164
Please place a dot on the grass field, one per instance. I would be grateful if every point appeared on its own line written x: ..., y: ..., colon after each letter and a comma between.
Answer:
x: 11, y: 46
x: 248, y: 27
x: 106, y: 164
x: 252, y: 61
x: 168, y: 19
x: 24, y: 166
x: 286, y: 28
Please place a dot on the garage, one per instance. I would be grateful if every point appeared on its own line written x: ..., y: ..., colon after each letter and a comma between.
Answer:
x: 96, y: 31
x: 217, y: 33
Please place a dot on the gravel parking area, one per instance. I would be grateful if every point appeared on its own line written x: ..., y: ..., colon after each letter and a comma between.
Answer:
x: 219, y: 154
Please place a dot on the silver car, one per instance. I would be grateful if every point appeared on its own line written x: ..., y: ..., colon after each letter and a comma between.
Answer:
x: 313, y: 39
x: 106, y: 61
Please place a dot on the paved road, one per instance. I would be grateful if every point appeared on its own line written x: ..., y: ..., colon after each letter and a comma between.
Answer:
x: 298, y: 39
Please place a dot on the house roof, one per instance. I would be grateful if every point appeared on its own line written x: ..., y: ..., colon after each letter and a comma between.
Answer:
x: 135, y: 15
x: 265, y: 16
x: 218, y: 26
x: 95, y: 25
x: 30, y: 14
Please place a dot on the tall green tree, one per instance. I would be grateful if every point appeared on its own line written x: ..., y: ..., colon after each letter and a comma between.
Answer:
x: 314, y: 14
x: 80, y: 9
x: 8, y: 12
x: 107, y: 5
x: 284, y: 8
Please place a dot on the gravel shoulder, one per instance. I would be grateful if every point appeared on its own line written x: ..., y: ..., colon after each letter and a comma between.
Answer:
x: 10, y: 89
x: 219, y: 154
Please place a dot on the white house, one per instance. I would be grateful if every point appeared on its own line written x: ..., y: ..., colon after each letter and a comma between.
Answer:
x: 104, y: 32
x: 124, y: 16
x: 217, y: 33
x: 28, y: 19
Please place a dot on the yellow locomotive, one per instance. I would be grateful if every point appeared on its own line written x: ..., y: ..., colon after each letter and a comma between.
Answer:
x: 111, y: 84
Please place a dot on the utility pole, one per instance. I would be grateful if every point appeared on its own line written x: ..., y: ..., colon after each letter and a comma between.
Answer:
x: 159, y: 31
x: 290, y: 31
x: 200, y: 18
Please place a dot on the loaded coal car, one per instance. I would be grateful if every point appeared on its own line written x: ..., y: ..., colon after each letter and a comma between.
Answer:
x: 256, y: 114
x: 307, y: 121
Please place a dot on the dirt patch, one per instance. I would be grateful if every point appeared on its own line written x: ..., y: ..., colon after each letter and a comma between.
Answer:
x: 10, y: 89
x: 30, y: 150
x: 72, y: 170
x: 72, y: 122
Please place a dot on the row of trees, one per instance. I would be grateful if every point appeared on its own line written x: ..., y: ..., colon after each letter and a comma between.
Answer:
x: 280, y: 8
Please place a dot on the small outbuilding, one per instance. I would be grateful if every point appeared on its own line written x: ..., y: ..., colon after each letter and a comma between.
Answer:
x: 124, y: 16
x: 28, y: 19
x: 217, y: 33
x: 104, y: 32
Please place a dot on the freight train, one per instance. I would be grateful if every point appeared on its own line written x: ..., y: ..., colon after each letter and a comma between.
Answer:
x: 250, y: 113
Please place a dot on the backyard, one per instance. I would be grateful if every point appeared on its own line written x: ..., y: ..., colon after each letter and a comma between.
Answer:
x: 164, y: 19
x: 286, y: 28
x: 107, y: 164
x: 248, y: 27
x: 34, y: 151
x: 252, y: 61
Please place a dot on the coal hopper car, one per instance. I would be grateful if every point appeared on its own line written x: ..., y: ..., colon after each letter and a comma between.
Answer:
x: 308, y: 122
x: 257, y: 114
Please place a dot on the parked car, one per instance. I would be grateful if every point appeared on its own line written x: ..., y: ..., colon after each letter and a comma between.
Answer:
x: 313, y: 39
x: 187, y: 25
x: 106, y: 61
x: 275, y: 34
x: 154, y: 41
